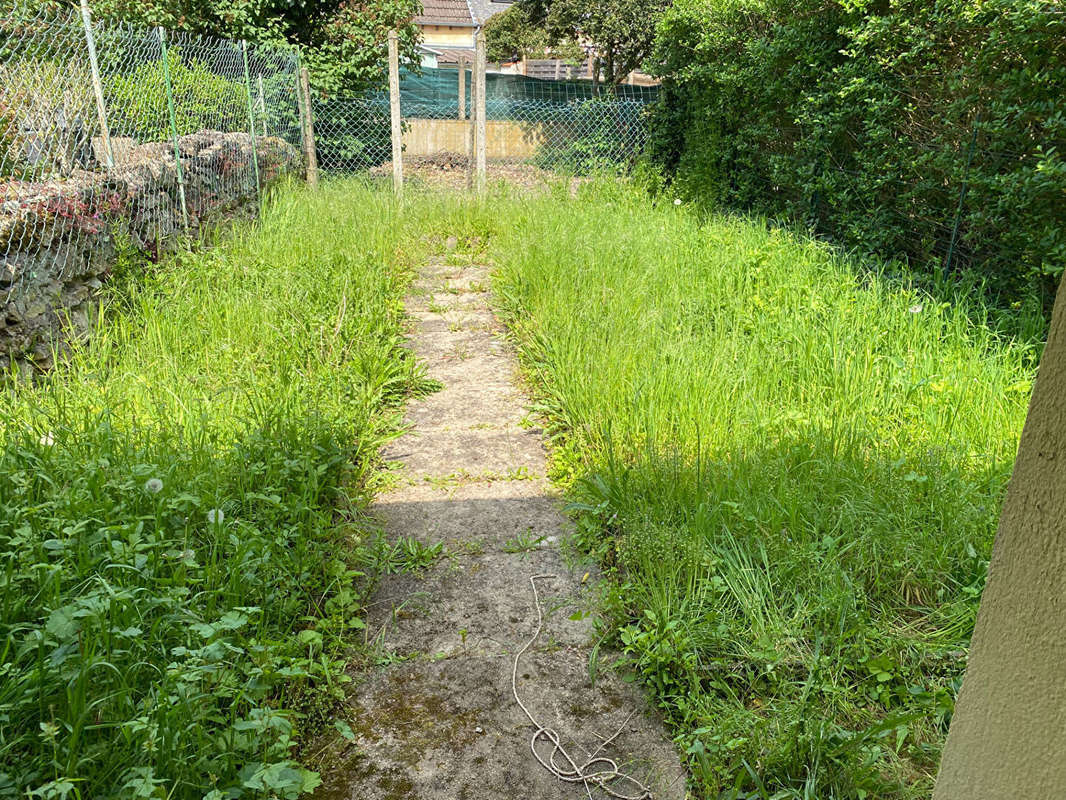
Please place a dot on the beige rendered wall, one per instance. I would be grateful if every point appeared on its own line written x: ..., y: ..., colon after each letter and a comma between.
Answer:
x: 503, y: 140
x: 1008, y: 735
x: 447, y: 36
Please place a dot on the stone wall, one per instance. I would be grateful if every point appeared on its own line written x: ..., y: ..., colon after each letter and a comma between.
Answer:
x: 57, y: 238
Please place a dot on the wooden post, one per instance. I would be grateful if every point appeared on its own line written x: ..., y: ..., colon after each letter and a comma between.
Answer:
x: 394, y: 112
x: 479, y: 137
x: 308, y: 127
x: 472, y: 124
x: 299, y: 90
x: 462, y: 88
x: 98, y: 90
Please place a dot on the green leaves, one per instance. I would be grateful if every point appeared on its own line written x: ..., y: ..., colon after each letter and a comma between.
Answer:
x: 202, y: 99
x: 283, y: 779
x: 856, y: 119
x: 342, y: 43
x: 621, y: 31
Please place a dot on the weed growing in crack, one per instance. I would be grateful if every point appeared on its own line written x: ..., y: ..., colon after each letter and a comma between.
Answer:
x: 523, y: 542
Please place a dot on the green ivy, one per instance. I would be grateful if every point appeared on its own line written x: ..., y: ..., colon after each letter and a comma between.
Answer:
x: 343, y: 43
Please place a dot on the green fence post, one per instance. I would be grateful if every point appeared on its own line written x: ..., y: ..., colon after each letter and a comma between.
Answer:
x: 300, y: 106
x: 173, y: 127
x: 962, y: 197
x: 251, y: 119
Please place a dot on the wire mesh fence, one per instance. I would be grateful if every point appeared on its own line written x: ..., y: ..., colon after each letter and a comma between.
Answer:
x: 108, y: 131
x: 567, y: 125
x: 352, y: 134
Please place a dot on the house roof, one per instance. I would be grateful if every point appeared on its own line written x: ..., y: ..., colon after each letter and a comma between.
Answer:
x: 445, y: 12
x: 483, y: 9
x: 460, y: 12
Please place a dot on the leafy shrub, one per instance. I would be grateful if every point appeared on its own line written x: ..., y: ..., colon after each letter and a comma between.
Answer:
x: 353, y: 134
x: 873, y: 120
x: 592, y: 135
x: 137, y: 101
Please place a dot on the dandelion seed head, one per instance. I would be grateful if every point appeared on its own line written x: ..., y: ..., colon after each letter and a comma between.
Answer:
x: 47, y: 440
x: 216, y: 516
x: 153, y: 486
x: 677, y: 201
x: 916, y: 308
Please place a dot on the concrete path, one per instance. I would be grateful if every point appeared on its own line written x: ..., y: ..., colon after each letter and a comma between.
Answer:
x: 440, y: 720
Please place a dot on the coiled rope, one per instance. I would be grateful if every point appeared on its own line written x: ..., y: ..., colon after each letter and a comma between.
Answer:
x: 597, y: 771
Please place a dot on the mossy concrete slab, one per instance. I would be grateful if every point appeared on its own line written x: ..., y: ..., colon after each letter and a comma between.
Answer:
x: 467, y: 604
x: 451, y: 730
x: 474, y: 515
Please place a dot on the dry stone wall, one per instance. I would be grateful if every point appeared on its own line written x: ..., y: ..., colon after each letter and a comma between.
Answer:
x: 58, y: 238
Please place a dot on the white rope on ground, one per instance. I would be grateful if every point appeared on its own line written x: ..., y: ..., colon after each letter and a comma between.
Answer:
x: 597, y: 771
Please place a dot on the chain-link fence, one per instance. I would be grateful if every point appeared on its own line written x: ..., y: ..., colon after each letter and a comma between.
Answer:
x: 113, y: 135
x: 352, y: 134
x: 109, y: 132
x: 566, y: 125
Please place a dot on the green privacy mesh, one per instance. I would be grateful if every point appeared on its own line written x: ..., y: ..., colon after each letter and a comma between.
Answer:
x: 434, y: 94
x: 579, y: 127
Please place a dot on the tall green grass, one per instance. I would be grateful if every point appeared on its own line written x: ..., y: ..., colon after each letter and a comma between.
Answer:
x: 792, y: 468
x: 180, y: 547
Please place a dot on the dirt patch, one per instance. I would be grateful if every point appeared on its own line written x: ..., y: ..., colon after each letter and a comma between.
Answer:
x: 448, y: 171
x: 440, y: 720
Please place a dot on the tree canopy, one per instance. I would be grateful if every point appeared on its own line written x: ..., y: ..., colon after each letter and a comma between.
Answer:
x: 619, y: 33
x: 343, y: 42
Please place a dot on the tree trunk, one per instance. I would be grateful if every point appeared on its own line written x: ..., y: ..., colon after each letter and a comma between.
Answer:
x: 1008, y: 738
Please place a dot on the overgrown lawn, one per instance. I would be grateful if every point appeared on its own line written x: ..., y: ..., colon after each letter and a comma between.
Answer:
x: 792, y: 468
x: 180, y: 539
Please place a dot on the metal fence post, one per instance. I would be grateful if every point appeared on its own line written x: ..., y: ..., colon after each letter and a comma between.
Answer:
x: 98, y: 91
x: 479, y: 138
x: 394, y: 112
x: 308, y: 128
x: 962, y: 197
x: 251, y: 119
x: 173, y: 127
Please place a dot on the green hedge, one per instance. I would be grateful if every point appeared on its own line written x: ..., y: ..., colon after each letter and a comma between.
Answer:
x: 203, y: 100
x: 873, y: 121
